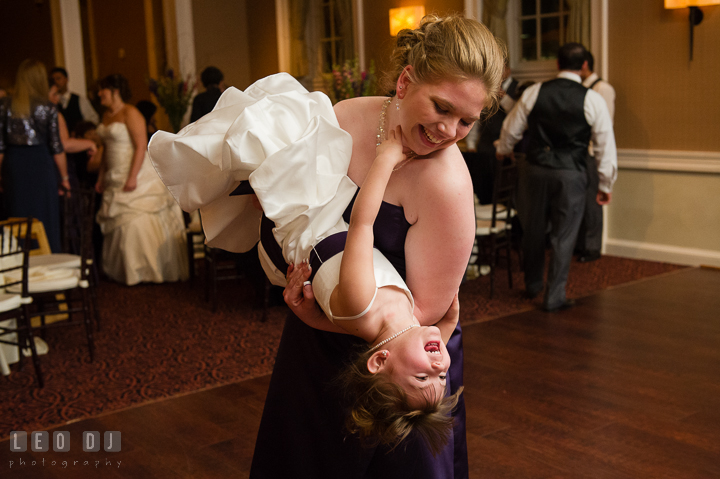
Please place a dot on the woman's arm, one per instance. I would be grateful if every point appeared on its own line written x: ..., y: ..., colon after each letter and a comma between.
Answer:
x: 58, y: 130
x: 138, y: 134
x: 356, y: 286
x: 439, y: 243
x: 301, y: 300
x: 74, y: 145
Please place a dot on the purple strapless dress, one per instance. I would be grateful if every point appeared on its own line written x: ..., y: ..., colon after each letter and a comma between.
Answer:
x: 302, y: 431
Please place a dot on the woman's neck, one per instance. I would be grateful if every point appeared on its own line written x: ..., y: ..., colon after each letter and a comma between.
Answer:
x: 116, y: 107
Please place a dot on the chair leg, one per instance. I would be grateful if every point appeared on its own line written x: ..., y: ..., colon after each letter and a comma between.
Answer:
x: 31, y: 344
x: 508, y: 252
x: 191, y: 256
x: 86, y: 307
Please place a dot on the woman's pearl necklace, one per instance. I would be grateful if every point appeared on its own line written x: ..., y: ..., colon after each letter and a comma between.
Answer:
x: 382, y: 134
x: 393, y: 336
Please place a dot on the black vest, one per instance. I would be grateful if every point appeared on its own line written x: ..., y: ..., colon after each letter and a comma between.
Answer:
x: 559, y: 132
x: 72, y: 113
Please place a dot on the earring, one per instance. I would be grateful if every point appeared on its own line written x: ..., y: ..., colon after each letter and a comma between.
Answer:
x: 384, y: 353
x: 397, y: 104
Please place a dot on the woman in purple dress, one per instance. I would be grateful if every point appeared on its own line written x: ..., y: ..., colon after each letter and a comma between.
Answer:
x: 446, y: 73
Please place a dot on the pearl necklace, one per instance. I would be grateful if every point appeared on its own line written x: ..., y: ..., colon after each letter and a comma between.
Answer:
x: 382, y: 135
x: 394, y: 336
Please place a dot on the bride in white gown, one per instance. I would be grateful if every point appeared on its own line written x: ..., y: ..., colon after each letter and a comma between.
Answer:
x: 143, y: 228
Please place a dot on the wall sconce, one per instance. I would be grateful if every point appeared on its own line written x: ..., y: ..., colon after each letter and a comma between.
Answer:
x: 695, y: 16
x: 406, y: 17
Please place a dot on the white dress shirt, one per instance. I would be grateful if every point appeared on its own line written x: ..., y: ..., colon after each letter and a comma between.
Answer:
x: 596, y: 114
x: 605, y: 90
x: 86, y: 110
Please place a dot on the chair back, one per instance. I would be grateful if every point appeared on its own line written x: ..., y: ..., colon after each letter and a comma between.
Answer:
x: 85, y: 212
x: 504, y: 188
x: 15, y: 244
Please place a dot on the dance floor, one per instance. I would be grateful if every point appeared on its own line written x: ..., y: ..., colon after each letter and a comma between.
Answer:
x: 625, y: 385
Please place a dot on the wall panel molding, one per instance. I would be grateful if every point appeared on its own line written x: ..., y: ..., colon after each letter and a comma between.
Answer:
x: 669, y: 160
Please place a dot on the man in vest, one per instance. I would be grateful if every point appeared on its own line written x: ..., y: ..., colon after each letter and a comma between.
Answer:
x: 74, y: 108
x: 562, y: 117
x: 589, y: 242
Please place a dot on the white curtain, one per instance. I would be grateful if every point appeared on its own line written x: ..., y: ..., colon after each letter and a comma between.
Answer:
x: 578, y: 29
x: 494, y: 12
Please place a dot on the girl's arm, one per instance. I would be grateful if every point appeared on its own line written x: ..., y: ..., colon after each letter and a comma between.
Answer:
x: 357, y: 277
x: 138, y: 133
x: 448, y: 322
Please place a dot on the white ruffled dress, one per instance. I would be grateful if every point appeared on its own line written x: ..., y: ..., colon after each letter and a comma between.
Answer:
x: 288, y: 144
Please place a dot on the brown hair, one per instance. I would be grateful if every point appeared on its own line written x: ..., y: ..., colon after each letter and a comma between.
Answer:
x: 31, y: 86
x: 449, y: 48
x: 381, y: 412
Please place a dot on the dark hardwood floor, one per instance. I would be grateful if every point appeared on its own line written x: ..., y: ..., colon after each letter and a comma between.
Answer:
x: 625, y: 385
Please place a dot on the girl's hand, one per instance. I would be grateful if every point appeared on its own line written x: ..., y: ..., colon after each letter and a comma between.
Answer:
x: 392, y: 147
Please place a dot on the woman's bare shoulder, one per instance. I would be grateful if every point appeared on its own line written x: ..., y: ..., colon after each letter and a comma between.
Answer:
x: 354, y: 112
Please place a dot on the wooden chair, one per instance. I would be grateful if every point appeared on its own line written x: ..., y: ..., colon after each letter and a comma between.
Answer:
x: 222, y: 265
x: 66, y: 289
x: 15, y: 328
x: 494, y: 234
x: 79, y: 213
x: 38, y: 237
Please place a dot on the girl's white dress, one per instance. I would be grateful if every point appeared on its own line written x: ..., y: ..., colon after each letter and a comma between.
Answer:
x: 288, y: 144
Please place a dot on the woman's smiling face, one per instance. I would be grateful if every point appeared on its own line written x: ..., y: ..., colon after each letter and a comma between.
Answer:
x: 434, y: 116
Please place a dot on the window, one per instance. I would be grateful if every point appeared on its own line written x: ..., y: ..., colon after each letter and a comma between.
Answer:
x: 336, y: 38
x: 543, y: 26
x: 537, y: 28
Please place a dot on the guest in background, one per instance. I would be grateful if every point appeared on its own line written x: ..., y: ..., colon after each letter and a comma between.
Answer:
x: 480, y: 155
x: 74, y: 108
x: 144, y: 233
x: 87, y: 171
x: 589, y: 242
x: 562, y: 117
x: 212, y: 80
x: 77, y: 150
x: 148, y: 109
x: 31, y: 151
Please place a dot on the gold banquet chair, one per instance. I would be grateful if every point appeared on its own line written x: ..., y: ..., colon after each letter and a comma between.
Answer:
x: 15, y: 328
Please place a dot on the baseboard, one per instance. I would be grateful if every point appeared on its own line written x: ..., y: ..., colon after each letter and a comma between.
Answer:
x: 661, y: 252
x: 667, y: 160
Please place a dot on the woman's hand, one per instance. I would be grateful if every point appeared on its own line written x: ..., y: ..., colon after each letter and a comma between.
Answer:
x: 130, y: 184
x: 448, y: 322
x: 64, y: 188
x: 299, y: 296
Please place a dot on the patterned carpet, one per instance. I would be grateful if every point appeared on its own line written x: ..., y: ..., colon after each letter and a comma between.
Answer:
x: 158, y: 341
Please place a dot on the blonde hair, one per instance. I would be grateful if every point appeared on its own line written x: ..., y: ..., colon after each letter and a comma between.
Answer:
x: 31, y: 86
x: 381, y: 412
x: 449, y: 48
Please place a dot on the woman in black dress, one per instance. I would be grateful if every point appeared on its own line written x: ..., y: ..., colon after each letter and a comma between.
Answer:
x: 31, y: 152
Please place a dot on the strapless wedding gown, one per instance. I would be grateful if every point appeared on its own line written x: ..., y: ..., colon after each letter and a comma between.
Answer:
x: 144, y: 231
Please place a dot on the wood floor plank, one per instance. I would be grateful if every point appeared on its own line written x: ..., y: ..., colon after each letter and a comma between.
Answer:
x: 626, y: 385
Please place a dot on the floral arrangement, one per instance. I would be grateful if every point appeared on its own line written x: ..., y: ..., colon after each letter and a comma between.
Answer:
x: 348, y: 81
x: 174, y: 95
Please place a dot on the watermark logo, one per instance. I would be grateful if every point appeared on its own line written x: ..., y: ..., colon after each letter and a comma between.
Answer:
x: 92, y: 441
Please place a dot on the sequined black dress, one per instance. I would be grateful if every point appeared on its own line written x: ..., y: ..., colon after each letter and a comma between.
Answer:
x: 29, y: 175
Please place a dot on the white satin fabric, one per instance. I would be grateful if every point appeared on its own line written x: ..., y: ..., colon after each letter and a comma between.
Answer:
x: 144, y: 229
x: 286, y: 142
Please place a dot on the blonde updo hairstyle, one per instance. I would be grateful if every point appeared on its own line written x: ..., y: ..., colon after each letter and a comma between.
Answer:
x: 451, y: 48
